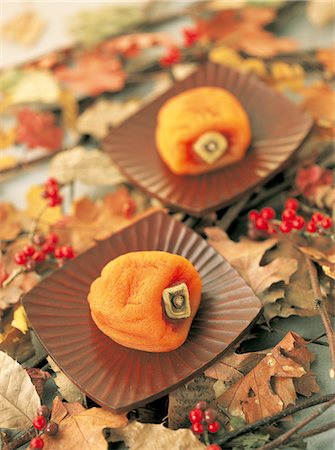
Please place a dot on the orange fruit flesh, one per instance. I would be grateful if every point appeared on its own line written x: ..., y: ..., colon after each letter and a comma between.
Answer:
x: 126, y: 300
x: 185, y: 117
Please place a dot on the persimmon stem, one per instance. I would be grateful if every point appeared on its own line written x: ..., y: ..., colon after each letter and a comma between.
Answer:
x: 321, y: 307
x: 272, y: 419
x: 286, y: 436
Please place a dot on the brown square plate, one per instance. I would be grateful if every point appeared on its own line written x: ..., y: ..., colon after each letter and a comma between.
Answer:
x: 117, y: 377
x: 278, y: 128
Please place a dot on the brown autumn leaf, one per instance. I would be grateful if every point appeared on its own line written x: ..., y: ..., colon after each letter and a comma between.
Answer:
x: 80, y: 427
x: 148, y: 436
x: 325, y: 258
x: 269, y: 387
x: 242, y: 29
x: 93, y: 221
x: 234, y: 366
x: 246, y: 256
x: 10, y: 220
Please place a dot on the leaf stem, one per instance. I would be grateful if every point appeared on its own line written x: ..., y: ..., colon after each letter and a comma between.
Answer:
x: 22, y: 439
x: 321, y: 307
x: 12, y: 276
x: 275, y: 418
x: 314, y: 431
x: 37, y: 221
x: 233, y: 212
x: 286, y: 436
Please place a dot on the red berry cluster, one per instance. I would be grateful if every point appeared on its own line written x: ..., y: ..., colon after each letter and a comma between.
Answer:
x: 32, y: 255
x: 51, y: 193
x: 172, y: 56
x: 42, y: 424
x: 190, y: 36
x: 201, y: 416
x: 264, y: 220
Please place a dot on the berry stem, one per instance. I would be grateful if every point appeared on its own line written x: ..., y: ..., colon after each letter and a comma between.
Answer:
x: 22, y: 439
x: 206, y: 438
x: 37, y: 221
x: 13, y: 275
x: 321, y: 307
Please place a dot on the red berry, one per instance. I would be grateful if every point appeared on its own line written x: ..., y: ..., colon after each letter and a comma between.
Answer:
x: 285, y: 227
x: 20, y: 258
x: 172, y: 56
x: 43, y: 410
x: 253, y: 215
x: 326, y: 223
x: 210, y: 415
x: 39, y: 422
x: 196, y: 415
x: 55, y: 201
x: 58, y: 252
x: 129, y: 209
x: 298, y: 223
x: 317, y: 217
x: 213, y: 427
x: 38, y: 256
x: 197, y: 427
x: 288, y: 214
x: 261, y: 224
x: 213, y: 447
x: 36, y: 442
x: 67, y: 252
x: 51, y: 182
x: 191, y: 35
x: 53, y: 238
x: 311, y: 227
x: 28, y: 250
x: 52, y: 191
x: 292, y: 203
x: 48, y: 247
x: 268, y: 213
x: 201, y: 405
x: 51, y: 429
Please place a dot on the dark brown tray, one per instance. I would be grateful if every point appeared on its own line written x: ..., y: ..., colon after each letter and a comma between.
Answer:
x: 278, y: 128
x: 117, y: 377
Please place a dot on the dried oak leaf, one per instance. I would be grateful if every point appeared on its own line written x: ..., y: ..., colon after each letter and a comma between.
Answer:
x: 233, y: 366
x: 38, y: 377
x: 9, y: 296
x: 90, y: 167
x: 99, y: 117
x: 92, y: 73
x: 242, y: 30
x: 326, y: 56
x: 93, y: 221
x: 18, y: 397
x: 270, y: 386
x: 325, y: 258
x: 319, y: 99
x: 181, y: 400
x: 140, y: 436
x: 81, y: 428
x: 246, y: 256
x: 10, y: 220
x: 69, y: 391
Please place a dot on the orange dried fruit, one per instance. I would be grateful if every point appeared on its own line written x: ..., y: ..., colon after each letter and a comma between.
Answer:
x: 127, y: 302
x: 201, y: 130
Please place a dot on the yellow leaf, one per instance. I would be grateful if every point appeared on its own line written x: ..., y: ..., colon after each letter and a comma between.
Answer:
x: 225, y: 55
x: 70, y: 109
x: 7, y: 162
x: 20, y: 320
x: 7, y: 138
x: 37, y: 206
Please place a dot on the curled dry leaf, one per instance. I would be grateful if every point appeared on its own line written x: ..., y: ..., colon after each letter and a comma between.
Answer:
x: 140, y: 436
x: 270, y: 386
x: 325, y: 258
x: 67, y: 389
x: 246, y: 256
x: 93, y: 221
x: 243, y: 29
x: 87, y: 166
x: 18, y: 397
x: 81, y: 428
x: 38, y: 377
x: 10, y: 220
x: 20, y: 321
x: 326, y: 56
x: 9, y: 296
x: 92, y: 73
x: 99, y: 117
x: 319, y: 100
